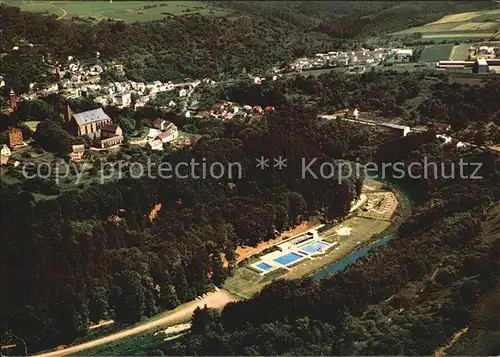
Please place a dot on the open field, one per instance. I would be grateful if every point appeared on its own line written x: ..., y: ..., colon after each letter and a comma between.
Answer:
x: 459, y: 36
x: 460, y: 52
x: 467, y: 25
x: 436, y: 53
x: 128, y: 11
x: 32, y: 124
x: 464, y: 16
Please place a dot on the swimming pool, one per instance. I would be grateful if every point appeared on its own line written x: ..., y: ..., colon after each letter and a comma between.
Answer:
x: 288, y: 258
x: 263, y: 266
x: 313, y: 248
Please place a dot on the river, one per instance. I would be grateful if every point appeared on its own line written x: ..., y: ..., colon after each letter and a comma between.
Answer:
x: 414, y: 196
x: 351, y: 258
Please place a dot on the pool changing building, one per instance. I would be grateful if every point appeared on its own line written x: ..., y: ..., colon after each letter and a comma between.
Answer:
x: 296, y: 249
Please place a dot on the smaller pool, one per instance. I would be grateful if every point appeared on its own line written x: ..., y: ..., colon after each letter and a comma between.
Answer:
x: 263, y: 266
x: 288, y: 258
x: 313, y: 248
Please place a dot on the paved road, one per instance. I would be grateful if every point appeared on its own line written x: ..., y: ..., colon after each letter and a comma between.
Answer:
x: 216, y: 299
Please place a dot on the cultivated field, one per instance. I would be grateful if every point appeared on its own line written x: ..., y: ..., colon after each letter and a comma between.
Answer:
x: 436, y: 53
x: 460, y: 52
x: 128, y: 11
x: 467, y: 25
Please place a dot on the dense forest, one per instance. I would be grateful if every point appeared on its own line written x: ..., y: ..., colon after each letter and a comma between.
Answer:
x: 405, y: 299
x: 94, y: 254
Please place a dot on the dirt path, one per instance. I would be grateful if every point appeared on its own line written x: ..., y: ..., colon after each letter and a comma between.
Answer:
x: 217, y: 299
x: 441, y: 352
x: 64, y: 12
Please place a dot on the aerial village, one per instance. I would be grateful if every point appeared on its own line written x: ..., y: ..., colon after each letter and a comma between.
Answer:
x: 77, y: 79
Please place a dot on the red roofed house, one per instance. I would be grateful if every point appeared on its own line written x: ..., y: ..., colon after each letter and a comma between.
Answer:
x: 77, y: 152
x: 160, y: 123
x: 441, y: 127
x: 111, y: 134
x: 257, y: 110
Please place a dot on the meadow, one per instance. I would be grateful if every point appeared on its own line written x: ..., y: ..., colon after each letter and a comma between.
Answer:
x: 128, y: 11
x: 436, y: 53
x: 460, y: 52
x: 463, y: 26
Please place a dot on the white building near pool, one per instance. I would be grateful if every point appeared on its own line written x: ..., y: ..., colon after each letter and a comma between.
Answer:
x: 292, y: 251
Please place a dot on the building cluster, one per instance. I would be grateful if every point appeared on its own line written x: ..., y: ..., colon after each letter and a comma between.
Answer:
x: 78, y: 80
x: 361, y: 57
x: 97, y: 125
x: 228, y: 110
x: 14, y: 141
x: 486, y: 52
x: 163, y: 131
x: 479, y: 65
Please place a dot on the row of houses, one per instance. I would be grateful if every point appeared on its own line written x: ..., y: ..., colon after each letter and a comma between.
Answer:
x: 229, y: 110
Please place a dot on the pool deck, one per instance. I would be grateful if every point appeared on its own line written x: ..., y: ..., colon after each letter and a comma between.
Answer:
x: 349, y: 235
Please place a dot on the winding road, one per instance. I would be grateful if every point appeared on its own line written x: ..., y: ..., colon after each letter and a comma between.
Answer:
x: 60, y: 8
x: 216, y: 299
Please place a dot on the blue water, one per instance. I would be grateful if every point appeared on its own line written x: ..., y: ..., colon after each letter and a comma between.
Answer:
x: 313, y: 248
x: 288, y: 258
x: 344, y: 262
x: 264, y: 266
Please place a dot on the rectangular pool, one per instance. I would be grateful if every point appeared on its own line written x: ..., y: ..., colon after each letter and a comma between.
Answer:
x: 263, y: 266
x: 288, y: 258
x: 313, y: 248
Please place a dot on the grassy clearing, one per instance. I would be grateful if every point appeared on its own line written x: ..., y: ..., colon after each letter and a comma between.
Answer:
x: 460, y: 52
x: 464, y: 16
x: 476, y: 26
x: 128, y: 11
x: 471, y: 25
x: 32, y: 124
x: 436, y: 53
x: 458, y: 36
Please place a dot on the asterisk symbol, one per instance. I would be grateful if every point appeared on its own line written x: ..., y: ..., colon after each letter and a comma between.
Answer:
x: 280, y: 162
x: 262, y: 163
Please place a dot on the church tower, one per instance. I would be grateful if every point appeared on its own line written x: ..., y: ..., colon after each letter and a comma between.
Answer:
x: 12, y: 100
x: 68, y: 113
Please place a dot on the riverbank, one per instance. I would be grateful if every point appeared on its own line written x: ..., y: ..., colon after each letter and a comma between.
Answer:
x: 403, y: 210
x: 354, y: 233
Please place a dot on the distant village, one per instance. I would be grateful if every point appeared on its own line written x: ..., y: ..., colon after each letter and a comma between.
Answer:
x: 78, y: 80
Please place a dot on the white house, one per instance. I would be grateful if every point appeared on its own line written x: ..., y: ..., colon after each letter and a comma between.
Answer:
x: 155, y: 145
x: 352, y: 113
x: 153, y: 133
x: 444, y: 138
x: 182, y: 93
x: 5, y: 151
x: 407, y: 52
x: 123, y: 100
x: 160, y: 124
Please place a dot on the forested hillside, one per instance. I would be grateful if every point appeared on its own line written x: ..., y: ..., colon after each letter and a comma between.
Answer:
x: 408, y: 298
x: 94, y: 254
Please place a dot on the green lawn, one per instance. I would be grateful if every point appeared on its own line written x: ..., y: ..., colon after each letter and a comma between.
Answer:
x: 128, y: 11
x: 32, y: 124
x: 436, y: 53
